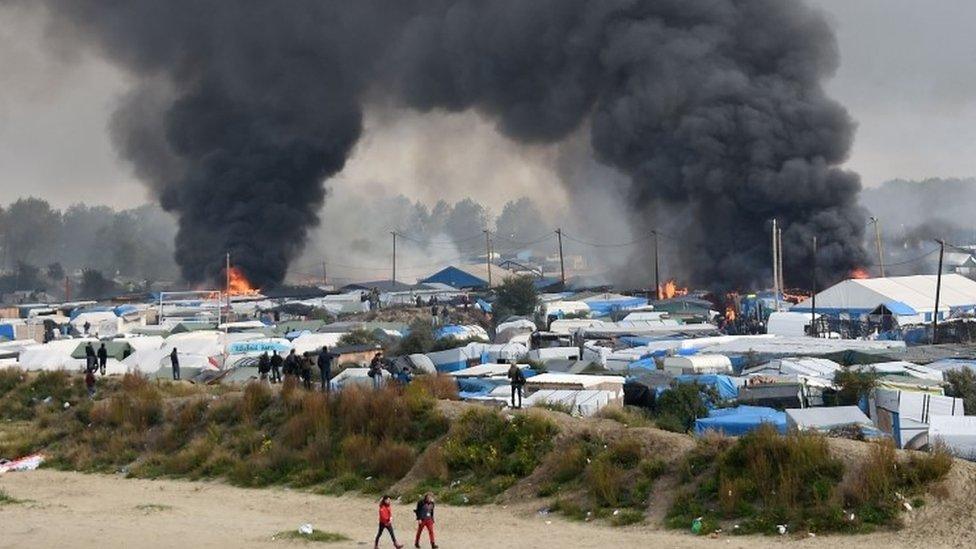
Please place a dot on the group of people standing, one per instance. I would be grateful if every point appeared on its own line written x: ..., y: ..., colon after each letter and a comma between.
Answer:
x: 274, y: 366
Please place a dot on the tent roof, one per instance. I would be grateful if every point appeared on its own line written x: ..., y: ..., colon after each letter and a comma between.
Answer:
x: 904, y: 293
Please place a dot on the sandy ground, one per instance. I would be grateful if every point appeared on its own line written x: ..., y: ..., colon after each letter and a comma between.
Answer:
x: 80, y: 510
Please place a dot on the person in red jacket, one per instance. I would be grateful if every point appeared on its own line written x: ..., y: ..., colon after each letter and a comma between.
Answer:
x: 386, y: 523
x: 425, y: 519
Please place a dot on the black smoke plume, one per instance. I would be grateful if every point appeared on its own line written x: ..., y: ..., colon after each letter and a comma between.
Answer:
x: 711, y: 107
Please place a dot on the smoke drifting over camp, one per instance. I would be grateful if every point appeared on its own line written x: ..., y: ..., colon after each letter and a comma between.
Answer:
x: 713, y: 108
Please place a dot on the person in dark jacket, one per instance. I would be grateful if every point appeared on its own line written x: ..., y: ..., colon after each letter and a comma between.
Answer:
x: 517, y: 379
x: 102, y: 358
x: 264, y: 365
x: 425, y: 519
x: 90, y: 383
x: 324, y: 362
x: 386, y: 523
x: 276, y: 363
x: 290, y: 367
x: 174, y: 359
x: 90, y: 360
x: 305, y: 371
x: 376, y: 370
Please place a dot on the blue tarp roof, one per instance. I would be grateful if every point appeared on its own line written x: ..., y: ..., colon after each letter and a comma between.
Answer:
x: 740, y: 420
x: 452, y: 276
x: 723, y: 385
x: 606, y: 306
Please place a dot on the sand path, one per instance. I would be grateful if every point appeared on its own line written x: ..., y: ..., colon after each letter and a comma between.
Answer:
x: 80, y: 510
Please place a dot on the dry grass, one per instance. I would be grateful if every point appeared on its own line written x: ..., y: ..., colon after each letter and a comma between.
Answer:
x: 439, y: 386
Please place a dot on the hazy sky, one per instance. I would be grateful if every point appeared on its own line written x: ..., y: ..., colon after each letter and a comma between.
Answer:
x: 908, y: 76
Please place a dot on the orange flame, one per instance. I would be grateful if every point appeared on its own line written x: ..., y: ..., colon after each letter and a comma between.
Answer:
x: 670, y: 290
x: 730, y: 306
x: 238, y: 284
x: 860, y: 273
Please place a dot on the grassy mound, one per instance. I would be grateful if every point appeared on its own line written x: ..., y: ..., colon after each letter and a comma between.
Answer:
x: 764, y: 480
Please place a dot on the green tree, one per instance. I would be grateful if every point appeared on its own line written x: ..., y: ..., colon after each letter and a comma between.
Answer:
x: 94, y: 285
x: 30, y: 230
x: 962, y: 384
x: 359, y: 336
x: 516, y: 296
x: 519, y: 220
x: 419, y: 340
x: 55, y: 271
x: 852, y: 385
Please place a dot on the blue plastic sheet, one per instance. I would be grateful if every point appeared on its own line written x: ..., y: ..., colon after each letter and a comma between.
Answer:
x: 723, y: 385
x: 740, y: 420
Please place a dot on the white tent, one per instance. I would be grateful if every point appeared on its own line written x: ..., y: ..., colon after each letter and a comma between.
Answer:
x: 55, y: 355
x: 824, y: 419
x: 354, y: 376
x: 698, y: 364
x: 314, y: 341
x: 956, y: 432
x: 911, y: 298
x: 583, y: 402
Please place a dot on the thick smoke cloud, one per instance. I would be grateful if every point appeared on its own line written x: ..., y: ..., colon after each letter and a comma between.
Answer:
x: 709, y: 107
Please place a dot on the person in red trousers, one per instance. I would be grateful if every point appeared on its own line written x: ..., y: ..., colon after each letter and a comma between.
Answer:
x: 386, y: 523
x: 425, y: 519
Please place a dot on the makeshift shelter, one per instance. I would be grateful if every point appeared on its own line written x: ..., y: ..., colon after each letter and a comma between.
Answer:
x: 910, y: 299
x: 905, y: 415
x: 958, y: 433
x: 582, y: 402
x: 471, y: 331
x: 740, y: 420
x: 826, y: 419
x: 698, y: 364
x: 313, y: 342
x: 55, y: 355
x: 355, y: 376
x: 605, y: 303
x: 464, y: 277
x: 725, y: 387
x: 614, y: 384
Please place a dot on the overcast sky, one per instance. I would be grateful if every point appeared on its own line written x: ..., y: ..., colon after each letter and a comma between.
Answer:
x: 907, y: 75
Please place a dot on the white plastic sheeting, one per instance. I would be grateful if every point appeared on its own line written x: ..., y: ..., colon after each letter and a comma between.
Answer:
x: 823, y: 419
x: 313, y: 342
x: 550, y: 353
x: 354, y: 376
x: 956, y: 432
x: 916, y: 292
x: 698, y: 364
x: 582, y: 402
x: 55, y: 355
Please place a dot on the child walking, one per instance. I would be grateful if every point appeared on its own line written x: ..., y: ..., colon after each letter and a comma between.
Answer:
x: 386, y: 523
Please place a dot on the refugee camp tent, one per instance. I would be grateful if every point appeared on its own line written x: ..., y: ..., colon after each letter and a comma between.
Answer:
x: 788, y: 323
x: 313, y: 342
x: 825, y: 419
x: 698, y: 364
x: 614, y: 384
x: 740, y: 420
x: 462, y: 277
x: 778, y: 395
x: 581, y: 402
x: 905, y: 415
x: 55, y: 355
x: 355, y: 376
x: 415, y: 363
x: 799, y: 366
x: 900, y: 368
x: 567, y: 366
x: 605, y: 303
x: 641, y: 390
x: 116, y: 348
x: 486, y: 370
x: 911, y: 299
x: 470, y: 331
x: 550, y: 353
x: 101, y: 322
x: 514, y: 328
x: 725, y: 387
x: 958, y: 433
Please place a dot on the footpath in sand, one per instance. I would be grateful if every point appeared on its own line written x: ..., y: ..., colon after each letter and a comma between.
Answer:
x: 80, y: 510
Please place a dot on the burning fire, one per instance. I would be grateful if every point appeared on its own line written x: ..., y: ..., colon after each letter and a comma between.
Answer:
x: 860, y: 273
x: 731, y: 301
x: 238, y: 284
x: 670, y: 290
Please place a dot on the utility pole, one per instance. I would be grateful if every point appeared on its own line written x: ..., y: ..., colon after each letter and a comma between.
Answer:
x: 394, y: 258
x: 879, y: 245
x: 488, y: 255
x: 562, y: 266
x: 938, y: 289
x: 775, y: 265
x: 227, y: 287
x: 813, y: 294
x: 779, y: 243
x: 657, y: 269
x: 325, y: 277
x: 67, y: 288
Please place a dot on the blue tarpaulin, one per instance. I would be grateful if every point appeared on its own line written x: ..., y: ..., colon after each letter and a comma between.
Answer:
x: 603, y: 307
x: 723, y: 385
x: 740, y: 420
x: 7, y: 331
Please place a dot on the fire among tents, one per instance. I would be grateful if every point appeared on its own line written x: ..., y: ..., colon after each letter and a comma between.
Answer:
x: 860, y: 273
x: 238, y: 284
x: 671, y: 290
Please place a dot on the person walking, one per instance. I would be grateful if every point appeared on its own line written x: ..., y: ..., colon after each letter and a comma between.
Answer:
x: 425, y: 519
x: 102, y: 358
x: 324, y: 362
x: 433, y: 315
x: 264, y: 366
x: 276, y: 362
x: 517, y: 379
x: 90, y: 360
x: 174, y: 359
x: 86, y: 326
x: 376, y: 370
x: 386, y: 523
